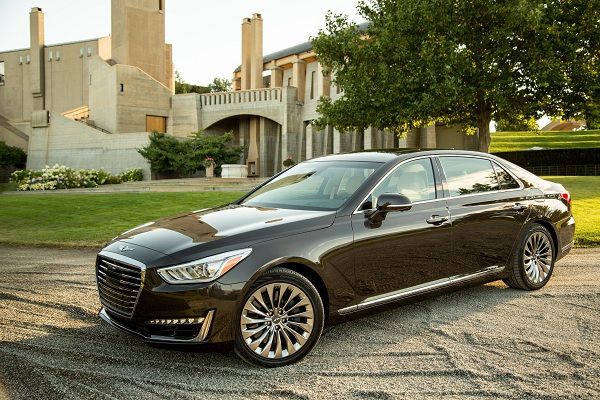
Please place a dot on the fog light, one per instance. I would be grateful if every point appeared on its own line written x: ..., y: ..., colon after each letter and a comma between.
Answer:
x: 178, y: 321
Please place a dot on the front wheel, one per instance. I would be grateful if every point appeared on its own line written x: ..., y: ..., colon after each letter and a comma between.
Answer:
x: 533, y: 261
x: 280, y: 320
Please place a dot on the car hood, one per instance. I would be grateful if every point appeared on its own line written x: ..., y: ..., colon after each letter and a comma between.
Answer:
x: 187, y: 236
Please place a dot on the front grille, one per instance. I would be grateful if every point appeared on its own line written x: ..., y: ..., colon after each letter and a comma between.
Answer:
x: 119, y: 285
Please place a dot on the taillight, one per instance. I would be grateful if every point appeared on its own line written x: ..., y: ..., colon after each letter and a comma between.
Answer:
x: 566, y: 196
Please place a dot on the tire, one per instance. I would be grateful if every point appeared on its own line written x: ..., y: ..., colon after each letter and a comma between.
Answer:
x: 532, y: 263
x: 279, y: 320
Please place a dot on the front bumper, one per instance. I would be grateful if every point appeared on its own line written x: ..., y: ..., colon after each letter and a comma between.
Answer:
x: 203, y: 329
x: 211, y: 306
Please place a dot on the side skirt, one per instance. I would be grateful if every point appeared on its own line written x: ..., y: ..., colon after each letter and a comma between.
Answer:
x: 419, y: 289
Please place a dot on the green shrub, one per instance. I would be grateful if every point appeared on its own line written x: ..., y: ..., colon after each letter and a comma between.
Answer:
x: 169, y: 155
x: 131, y: 175
x: 11, y: 156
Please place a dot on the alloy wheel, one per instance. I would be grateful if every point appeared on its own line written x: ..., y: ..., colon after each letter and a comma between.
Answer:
x: 537, y: 257
x: 277, y: 320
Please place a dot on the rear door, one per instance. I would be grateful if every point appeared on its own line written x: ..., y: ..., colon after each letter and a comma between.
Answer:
x: 488, y: 207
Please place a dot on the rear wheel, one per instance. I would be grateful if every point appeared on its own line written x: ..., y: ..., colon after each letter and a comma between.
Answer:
x: 533, y: 261
x: 280, y: 320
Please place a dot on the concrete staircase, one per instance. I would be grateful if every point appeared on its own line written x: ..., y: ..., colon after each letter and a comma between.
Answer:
x: 8, y: 127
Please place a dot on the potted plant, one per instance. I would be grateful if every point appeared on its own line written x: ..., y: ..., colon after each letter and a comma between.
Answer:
x: 289, y: 161
x: 209, y: 165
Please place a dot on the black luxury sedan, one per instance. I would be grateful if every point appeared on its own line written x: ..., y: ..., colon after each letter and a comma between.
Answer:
x: 331, y: 237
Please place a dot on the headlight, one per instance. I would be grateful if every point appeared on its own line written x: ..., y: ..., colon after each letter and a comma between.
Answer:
x: 204, y: 270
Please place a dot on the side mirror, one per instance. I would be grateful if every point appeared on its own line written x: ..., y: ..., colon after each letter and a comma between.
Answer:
x: 388, y: 202
x: 393, y: 202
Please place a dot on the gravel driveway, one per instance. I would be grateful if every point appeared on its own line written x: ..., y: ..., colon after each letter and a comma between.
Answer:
x: 486, y: 341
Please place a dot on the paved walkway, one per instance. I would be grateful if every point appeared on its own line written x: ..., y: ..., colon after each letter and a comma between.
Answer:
x: 165, y: 185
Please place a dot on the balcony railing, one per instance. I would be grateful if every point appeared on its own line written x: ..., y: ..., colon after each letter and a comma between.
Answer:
x: 242, y: 96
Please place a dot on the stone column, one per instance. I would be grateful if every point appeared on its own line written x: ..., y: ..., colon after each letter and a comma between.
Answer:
x: 309, y: 141
x: 246, y: 54
x: 262, y: 144
x: 428, y: 138
x: 337, y: 143
x: 412, y: 138
x: 369, y: 138
x: 327, y: 140
x: 323, y: 82
x: 256, y: 57
x: 253, y: 158
x: 299, y: 77
x: 276, y: 77
x: 37, y: 61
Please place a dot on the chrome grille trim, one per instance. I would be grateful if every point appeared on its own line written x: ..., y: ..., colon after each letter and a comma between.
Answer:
x: 119, y: 284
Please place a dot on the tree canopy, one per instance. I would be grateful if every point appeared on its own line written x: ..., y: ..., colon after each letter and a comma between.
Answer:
x: 460, y: 62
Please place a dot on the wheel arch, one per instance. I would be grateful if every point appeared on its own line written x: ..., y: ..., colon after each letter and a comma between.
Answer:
x: 548, y: 225
x: 302, y: 266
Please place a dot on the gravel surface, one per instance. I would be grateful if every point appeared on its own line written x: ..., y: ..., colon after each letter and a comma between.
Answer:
x: 486, y: 341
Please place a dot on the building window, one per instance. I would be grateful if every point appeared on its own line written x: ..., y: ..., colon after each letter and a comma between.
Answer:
x: 20, y: 60
x: 50, y: 55
x: 122, y: 88
x: 81, y: 52
x: 89, y: 51
x: 1, y: 73
x: 289, y: 82
x: 57, y: 55
x: 312, y: 84
x: 27, y: 59
x: 160, y: 5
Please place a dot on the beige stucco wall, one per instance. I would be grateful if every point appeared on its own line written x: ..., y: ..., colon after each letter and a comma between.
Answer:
x: 143, y: 95
x: 103, y: 95
x: 66, y: 81
x: 78, y: 146
x: 138, y: 37
x: 185, y: 114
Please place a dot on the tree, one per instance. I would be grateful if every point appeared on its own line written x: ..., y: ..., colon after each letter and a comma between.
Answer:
x: 516, y: 123
x: 219, y: 85
x: 183, y: 87
x: 457, y: 61
x: 184, y: 157
x: 11, y: 156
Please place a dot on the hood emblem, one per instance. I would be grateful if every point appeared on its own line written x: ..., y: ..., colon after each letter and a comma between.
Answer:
x: 125, y: 248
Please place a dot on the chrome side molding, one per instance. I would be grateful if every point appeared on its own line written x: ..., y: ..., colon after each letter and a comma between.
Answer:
x: 415, y: 290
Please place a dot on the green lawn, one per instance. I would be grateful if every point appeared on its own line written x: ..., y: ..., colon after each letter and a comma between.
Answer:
x: 73, y: 220
x: 511, y: 141
x: 585, y: 194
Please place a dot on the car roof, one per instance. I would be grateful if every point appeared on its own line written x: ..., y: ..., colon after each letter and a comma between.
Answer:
x: 385, y: 155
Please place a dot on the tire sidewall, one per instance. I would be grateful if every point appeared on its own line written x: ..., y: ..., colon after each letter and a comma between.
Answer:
x: 308, y: 288
x: 530, y: 231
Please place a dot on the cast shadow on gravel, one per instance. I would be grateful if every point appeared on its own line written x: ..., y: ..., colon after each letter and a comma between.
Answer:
x: 101, y: 358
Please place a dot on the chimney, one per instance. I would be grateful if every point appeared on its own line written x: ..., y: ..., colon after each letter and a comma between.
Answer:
x: 37, y: 43
x: 256, y: 57
x: 246, y: 53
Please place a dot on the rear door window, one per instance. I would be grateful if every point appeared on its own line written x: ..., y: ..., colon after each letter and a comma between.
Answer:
x: 469, y: 175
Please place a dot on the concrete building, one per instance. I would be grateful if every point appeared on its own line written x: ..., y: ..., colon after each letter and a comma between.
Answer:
x: 273, y: 102
x: 91, y: 103
x: 79, y: 103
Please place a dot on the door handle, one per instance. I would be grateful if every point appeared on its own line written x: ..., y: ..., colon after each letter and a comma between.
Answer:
x: 436, y: 219
x: 519, y: 207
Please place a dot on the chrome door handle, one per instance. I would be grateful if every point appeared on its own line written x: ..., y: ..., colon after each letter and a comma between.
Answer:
x: 519, y: 207
x: 436, y: 219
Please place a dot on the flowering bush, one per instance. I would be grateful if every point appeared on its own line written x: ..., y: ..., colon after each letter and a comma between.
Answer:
x: 61, y: 177
x: 131, y: 175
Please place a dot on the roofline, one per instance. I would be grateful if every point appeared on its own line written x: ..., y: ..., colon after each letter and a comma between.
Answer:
x: 297, y: 49
x: 56, y: 44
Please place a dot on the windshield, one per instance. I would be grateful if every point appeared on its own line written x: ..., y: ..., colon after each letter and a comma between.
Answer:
x: 317, y: 185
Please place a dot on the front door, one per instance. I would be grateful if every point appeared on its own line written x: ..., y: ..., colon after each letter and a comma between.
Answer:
x: 408, y: 248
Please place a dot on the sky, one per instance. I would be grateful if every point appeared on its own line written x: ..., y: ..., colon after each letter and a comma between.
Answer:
x: 206, y: 35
